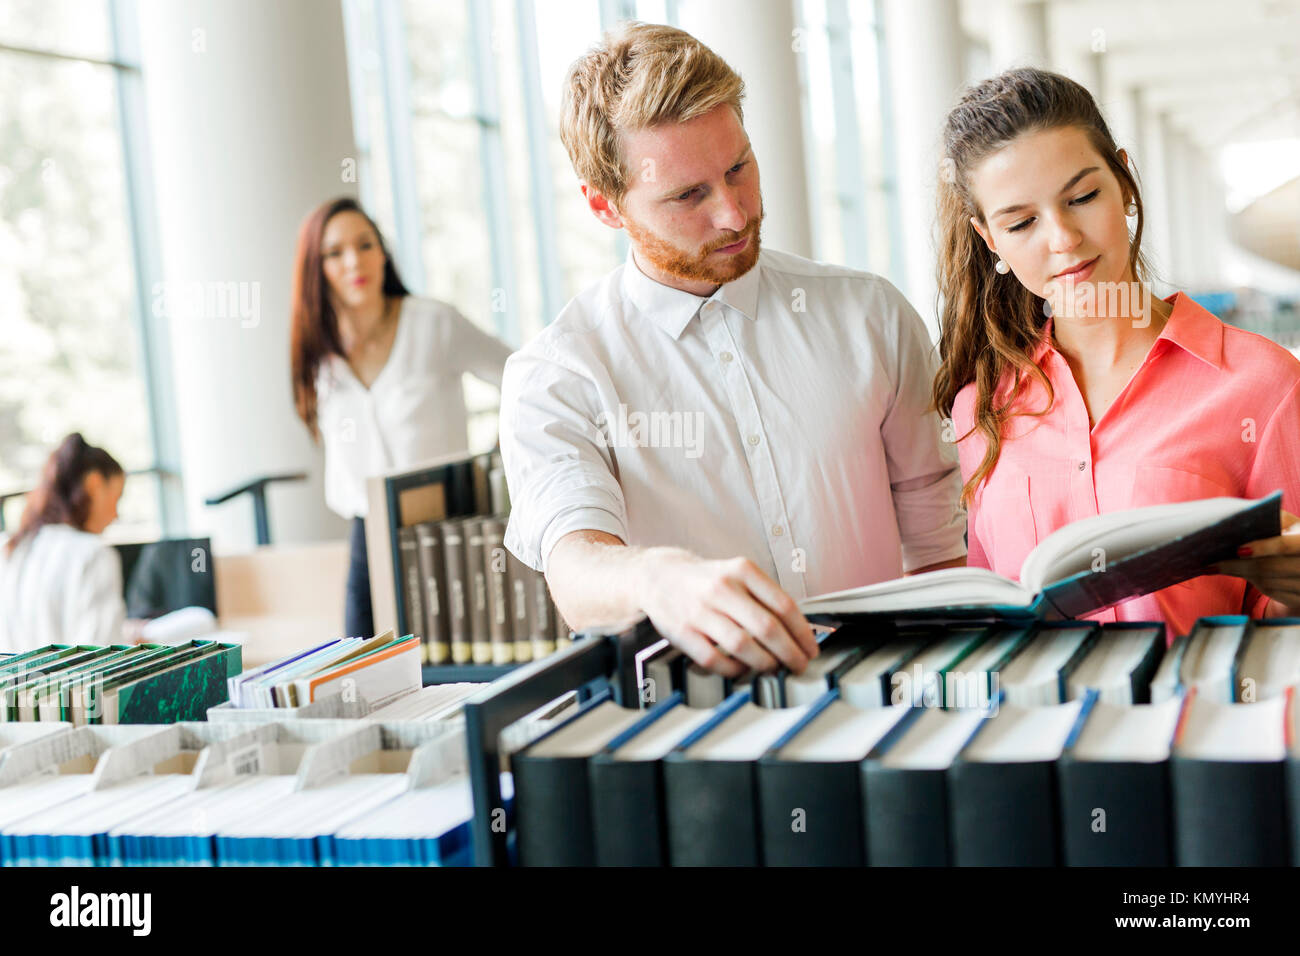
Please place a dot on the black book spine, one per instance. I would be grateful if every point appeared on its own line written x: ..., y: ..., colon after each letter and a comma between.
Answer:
x: 905, y: 814
x: 1140, y: 681
x: 1228, y: 813
x: 1114, y: 813
x: 552, y: 811
x: 458, y: 625
x: 1293, y: 797
x: 412, y: 587
x: 712, y: 813
x: 498, y: 600
x: 541, y: 616
x: 476, y: 594
x: 518, y: 578
x: 437, y: 637
x: 627, y: 812
x: 810, y: 813
x: 1003, y: 814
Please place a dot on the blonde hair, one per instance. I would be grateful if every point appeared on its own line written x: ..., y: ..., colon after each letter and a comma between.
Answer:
x: 640, y: 75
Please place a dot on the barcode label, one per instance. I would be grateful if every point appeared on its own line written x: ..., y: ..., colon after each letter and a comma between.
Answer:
x: 247, y: 760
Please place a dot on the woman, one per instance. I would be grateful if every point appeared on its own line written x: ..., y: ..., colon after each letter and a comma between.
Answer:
x: 59, y: 582
x: 1072, y: 390
x: 376, y: 370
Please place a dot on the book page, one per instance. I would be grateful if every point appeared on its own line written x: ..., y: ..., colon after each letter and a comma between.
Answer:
x: 1109, y: 537
x: 948, y: 587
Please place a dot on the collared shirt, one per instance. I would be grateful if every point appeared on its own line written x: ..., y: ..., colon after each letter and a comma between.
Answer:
x: 1213, y: 411
x: 783, y: 419
x: 413, y: 411
x: 60, y: 586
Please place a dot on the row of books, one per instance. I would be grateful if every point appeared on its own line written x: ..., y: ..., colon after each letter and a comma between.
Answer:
x: 1187, y: 781
x: 314, y: 793
x: 1230, y: 658
x: 377, y: 669
x: 470, y: 600
x: 117, y: 683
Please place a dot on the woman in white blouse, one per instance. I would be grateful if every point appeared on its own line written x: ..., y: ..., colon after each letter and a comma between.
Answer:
x: 376, y: 370
x: 60, y: 583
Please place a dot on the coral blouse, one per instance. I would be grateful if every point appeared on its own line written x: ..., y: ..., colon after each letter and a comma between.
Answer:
x: 1212, y: 411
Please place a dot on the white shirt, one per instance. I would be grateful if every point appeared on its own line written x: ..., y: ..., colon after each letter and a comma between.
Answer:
x: 784, y: 419
x: 60, y: 586
x: 414, y: 410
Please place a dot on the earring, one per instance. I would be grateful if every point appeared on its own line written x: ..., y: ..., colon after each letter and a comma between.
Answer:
x: 1001, y: 267
x: 1131, y: 209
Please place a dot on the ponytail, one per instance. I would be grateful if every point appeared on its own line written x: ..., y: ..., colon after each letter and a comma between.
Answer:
x: 61, y: 497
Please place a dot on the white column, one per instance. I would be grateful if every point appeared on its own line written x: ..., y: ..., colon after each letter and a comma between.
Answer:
x: 1153, y: 176
x: 1185, y: 221
x: 1122, y: 108
x: 1211, y: 246
x: 925, y: 47
x: 1075, y: 53
x: 250, y: 126
x: 757, y: 37
x: 1018, y: 34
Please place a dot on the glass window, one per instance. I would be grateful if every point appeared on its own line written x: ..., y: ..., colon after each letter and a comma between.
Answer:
x: 69, y: 359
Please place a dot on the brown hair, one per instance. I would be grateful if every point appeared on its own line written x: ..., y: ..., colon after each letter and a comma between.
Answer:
x: 991, y: 324
x: 314, y: 328
x: 639, y: 76
x: 61, y: 497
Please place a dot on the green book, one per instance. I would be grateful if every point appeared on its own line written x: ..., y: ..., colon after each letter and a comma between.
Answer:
x: 182, y: 688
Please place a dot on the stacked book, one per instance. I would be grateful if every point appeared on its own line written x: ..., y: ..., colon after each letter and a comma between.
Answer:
x: 347, y: 678
x: 117, y: 684
x: 1099, y: 747
x: 377, y: 669
x: 301, y: 793
x: 470, y: 600
x: 439, y: 568
x: 960, y: 665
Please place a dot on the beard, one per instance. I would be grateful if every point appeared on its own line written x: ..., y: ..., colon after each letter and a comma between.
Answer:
x: 696, y: 266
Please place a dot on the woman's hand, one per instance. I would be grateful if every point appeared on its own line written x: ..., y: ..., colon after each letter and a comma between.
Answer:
x: 1272, y: 565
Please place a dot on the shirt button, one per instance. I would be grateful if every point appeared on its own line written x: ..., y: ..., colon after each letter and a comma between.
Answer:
x: 1083, y: 465
x: 777, y: 530
x: 725, y: 356
x: 753, y: 439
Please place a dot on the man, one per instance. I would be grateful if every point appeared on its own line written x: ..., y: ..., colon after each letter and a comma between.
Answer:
x: 711, y: 432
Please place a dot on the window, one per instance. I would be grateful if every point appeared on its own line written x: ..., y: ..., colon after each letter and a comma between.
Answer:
x: 72, y: 357
x: 464, y: 95
x: 850, y: 163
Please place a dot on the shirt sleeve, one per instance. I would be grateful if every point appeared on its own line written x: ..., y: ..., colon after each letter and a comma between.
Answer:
x: 923, y: 470
x: 97, y: 608
x: 1276, y: 468
x: 1277, y: 461
x: 475, y: 351
x: 558, y: 465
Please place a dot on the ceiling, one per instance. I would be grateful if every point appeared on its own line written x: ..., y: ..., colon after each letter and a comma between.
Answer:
x: 1223, y: 71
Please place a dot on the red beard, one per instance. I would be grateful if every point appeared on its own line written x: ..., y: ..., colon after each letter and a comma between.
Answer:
x: 697, y: 267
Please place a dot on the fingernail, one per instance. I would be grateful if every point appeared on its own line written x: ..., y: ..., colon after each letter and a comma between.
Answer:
x: 1244, y: 551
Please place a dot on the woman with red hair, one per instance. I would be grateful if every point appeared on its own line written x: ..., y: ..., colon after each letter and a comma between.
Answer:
x: 376, y: 370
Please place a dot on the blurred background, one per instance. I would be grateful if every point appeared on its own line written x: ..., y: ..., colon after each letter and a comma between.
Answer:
x: 157, y: 156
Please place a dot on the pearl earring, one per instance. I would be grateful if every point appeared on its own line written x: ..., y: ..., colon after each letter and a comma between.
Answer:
x: 1001, y: 267
x: 1131, y: 209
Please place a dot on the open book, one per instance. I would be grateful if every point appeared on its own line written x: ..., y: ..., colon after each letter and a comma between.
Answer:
x: 1076, y: 570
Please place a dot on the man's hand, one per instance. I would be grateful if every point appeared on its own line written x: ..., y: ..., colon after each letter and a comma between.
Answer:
x: 1272, y: 565
x: 726, y: 615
